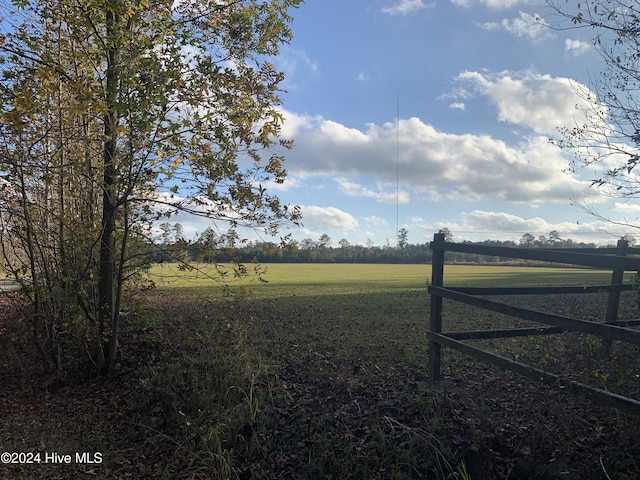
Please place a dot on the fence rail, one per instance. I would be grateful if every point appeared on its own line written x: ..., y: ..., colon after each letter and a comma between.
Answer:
x: 615, y: 260
x: 9, y: 285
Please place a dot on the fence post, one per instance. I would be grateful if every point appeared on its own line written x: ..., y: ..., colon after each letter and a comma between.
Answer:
x: 435, y: 320
x: 616, y: 279
x: 614, y: 296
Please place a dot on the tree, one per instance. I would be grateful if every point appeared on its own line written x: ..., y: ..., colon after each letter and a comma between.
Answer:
x: 554, y: 238
x: 448, y: 236
x: 178, y: 231
x: 403, y: 238
x: 308, y: 244
x: 325, y: 241
x: 116, y: 113
x: 609, y: 136
x: 165, y: 236
x: 527, y: 240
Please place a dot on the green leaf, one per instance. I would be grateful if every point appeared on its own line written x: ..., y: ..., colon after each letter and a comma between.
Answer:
x: 20, y: 4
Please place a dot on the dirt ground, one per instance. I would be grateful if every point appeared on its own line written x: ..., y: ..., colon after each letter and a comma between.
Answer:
x: 367, y: 411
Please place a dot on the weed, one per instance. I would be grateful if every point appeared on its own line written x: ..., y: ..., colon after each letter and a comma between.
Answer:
x: 250, y: 393
x: 462, y: 471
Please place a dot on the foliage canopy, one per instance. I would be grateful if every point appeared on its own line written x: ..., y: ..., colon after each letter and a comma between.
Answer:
x: 115, y: 113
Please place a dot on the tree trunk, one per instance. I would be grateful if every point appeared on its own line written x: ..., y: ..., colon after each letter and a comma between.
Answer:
x: 106, y: 312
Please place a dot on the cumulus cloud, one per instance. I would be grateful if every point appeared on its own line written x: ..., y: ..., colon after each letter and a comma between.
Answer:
x: 477, y: 222
x: 540, y: 102
x: 328, y: 218
x: 627, y: 207
x: 383, y: 194
x: 403, y: 7
x: 526, y: 25
x: 433, y: 163
x: 376, y: 221
x: 576, y: 47
x: 493, y: 4
x: 457, y: 106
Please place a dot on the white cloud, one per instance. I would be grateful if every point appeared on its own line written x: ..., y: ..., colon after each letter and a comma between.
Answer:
x: 290, y: 183
x: 478, y: 220
x: 527, y: 25
x: 328, y: 218
x: 403, y: 7
x: 493, y: 4
x: 480, y: 224
x: 457, y: 106
x: 383, y: 194
x: 576, y: 47
x: 463, y: 167
x: 376, y: 221
x: 540, y: 102
x: 627, y: 207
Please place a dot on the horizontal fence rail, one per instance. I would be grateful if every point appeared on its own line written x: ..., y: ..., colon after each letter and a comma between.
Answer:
x: 9, y: 285
x: 610, y: 332
x: 597, y: 395
x: 557, y: 255
x: 541, y: 290
x: 614, y: 259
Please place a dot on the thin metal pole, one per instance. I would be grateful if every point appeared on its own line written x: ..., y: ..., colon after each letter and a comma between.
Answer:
x: 398, y: 170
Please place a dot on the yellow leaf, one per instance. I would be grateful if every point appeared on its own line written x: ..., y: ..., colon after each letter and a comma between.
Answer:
x: 176, y: 163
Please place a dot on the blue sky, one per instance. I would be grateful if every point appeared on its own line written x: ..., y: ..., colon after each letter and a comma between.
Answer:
x: 480, y: 85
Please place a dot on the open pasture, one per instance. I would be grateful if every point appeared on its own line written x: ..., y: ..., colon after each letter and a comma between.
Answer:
x: 394, y: 294
x: 300, y: 277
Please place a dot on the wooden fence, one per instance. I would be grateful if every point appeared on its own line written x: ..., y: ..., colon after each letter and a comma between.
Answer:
x: 9, y: 285
x: 613, y: 259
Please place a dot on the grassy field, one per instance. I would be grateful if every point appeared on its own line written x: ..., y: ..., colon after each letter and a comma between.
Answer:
x: 320, y: 372
x: 289, y: 275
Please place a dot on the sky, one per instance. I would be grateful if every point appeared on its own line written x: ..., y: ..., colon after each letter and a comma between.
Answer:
x: 423, y: 114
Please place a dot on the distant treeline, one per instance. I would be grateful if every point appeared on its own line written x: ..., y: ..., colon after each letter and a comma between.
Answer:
x: 210, y: 247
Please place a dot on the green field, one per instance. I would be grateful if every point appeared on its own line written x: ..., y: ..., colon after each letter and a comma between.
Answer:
x: 365, y: 289
x: 389, y: 302
x: 353, y: 276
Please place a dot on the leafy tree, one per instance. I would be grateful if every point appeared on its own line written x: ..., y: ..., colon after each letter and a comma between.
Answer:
x: 554, y: 238
x: 307, y: 244
x: 448, y: 235
x: 527, y: 240
x: 609, y: 137
x: 208, y: 239
x: 115, y: 113
x: 325, y: 241
x: 178, y: 231
x: 403, y: 238
x: 542, y: 241
x: 165, y: 235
